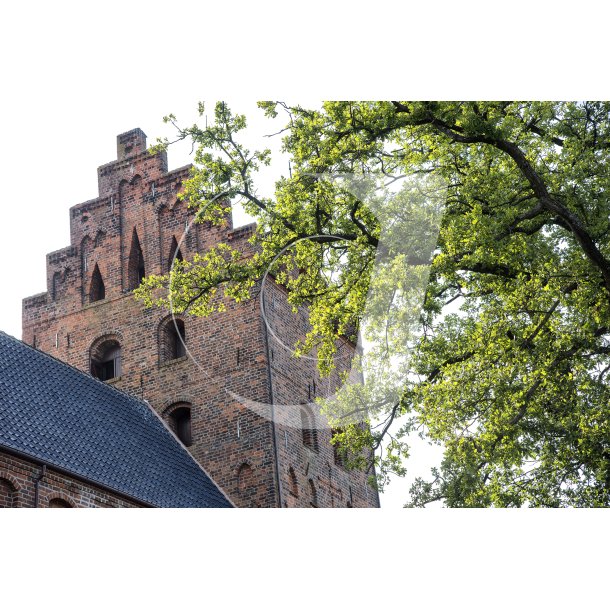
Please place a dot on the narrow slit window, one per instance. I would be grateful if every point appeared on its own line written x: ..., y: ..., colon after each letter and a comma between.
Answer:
x: 97, y: 290
x: 178, y: 339
x: 314, y: 494
x: 172, y: 339
x: 174, y: 253
x: 180, y: 422
x: 136, y: 271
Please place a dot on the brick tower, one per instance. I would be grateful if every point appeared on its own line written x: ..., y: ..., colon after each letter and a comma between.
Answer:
x: 89, y: 318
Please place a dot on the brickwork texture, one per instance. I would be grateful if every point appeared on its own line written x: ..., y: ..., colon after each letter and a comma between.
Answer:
x: 132, y: 229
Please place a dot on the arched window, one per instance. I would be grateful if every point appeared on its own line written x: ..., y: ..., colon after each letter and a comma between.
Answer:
x: 106, y: 360
x: 8, y: 494
x: 135, y: 269
x: 313, y: 494
x: 172, y: 339
x: 97, y: 290
x: 174, y: 253
x: 308, y: 429
x: 293, y: 483
x: 59, y: 503
x: 179, y: 419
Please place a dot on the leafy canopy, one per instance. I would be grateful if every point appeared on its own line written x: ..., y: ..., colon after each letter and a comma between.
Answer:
x: 509, y: 366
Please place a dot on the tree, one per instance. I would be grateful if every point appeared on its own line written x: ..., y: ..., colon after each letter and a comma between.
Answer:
x: 509, y: 369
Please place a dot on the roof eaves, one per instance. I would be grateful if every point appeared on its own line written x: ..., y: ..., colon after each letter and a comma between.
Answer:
x: 74, y: 475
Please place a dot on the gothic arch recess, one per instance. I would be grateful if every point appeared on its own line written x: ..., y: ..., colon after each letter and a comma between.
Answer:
x: 174, y: 253
x: 179, y: 419
x: 8, y: 491
x: 136, y: 270
x: 172, y: 338
x: 247, y: 485
x: 54, y: 498
x: 57, y: 502
x: 97, y: 289
x: 59, y: 285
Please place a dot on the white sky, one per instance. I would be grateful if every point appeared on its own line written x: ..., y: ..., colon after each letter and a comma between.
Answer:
x: 74, y: 75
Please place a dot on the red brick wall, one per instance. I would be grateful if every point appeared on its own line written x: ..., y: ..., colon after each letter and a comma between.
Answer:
x: 20, y: 476
x: 227, y: 351
x: 8, y: 491
x: 296, y: 381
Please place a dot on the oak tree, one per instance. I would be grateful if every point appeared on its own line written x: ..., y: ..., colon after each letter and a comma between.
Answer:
x: 508, y: 369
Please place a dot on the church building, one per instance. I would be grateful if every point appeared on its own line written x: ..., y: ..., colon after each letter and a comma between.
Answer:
x: 70, y: 440
x: 196, y: 375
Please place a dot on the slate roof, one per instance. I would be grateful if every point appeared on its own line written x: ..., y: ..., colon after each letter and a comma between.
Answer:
x: 58, y: 415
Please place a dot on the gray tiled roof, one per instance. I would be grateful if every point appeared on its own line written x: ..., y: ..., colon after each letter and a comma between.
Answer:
x: 58, y: 415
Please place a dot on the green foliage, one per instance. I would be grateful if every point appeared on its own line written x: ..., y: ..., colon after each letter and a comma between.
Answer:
x: 509, y: 369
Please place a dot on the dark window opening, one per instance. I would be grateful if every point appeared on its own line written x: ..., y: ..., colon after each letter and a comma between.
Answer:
x: 314, y: 494
x: 179, y: 339
x: 173, y: 340
x: 180, y: 422
x: 135, y: 271
x: 174, y: 253
x: 106, y: 363
x: 8, y: 494
x: 97, y: 291
x: 59, y: 503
